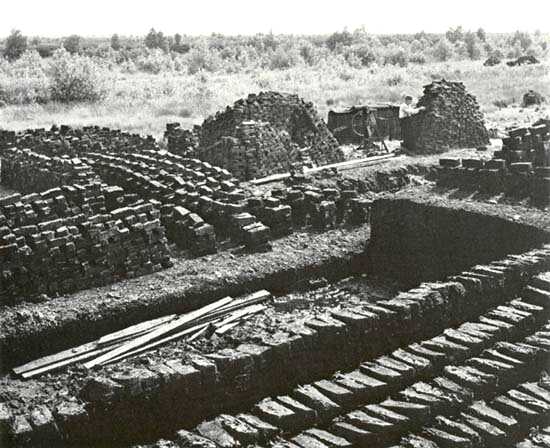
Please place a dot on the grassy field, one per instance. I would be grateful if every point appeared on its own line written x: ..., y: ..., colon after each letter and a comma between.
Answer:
x: 144, y: 103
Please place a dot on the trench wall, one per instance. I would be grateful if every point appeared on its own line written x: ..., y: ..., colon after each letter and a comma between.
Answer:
x: 415, y: 241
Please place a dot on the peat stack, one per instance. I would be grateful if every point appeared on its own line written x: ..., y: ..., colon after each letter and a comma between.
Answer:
x: 282, y: 119
x: 256, y: 150
x: 452, y: 119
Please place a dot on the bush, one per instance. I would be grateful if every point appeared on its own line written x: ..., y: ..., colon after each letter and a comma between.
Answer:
x: 15, y: 46
x: 115, y: 42
x: 73, y: 44
x: 25, y: 80
x: 75, y: 78
x: 394, y: 80
x: 337, y: 39
x: 155, y: 61
x: 396, y: 56
x: 443, y: 50
x: 283, y: 58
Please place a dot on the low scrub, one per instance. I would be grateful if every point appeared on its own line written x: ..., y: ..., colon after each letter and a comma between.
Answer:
x: 63, y: 78
x: 76, y: 78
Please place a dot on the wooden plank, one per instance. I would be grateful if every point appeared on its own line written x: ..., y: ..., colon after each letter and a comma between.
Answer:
x: 257, y: 297
x: 198, y: 333
x: 348, y: 164
x: 252, y: 309
x: 222, y: 330
x: 201, y: 327
x: 191, y: 330
x: 134, y: 329
x: 65, y: 362
x: 56, y: 357
x: 203, y: 324
x: 163, y: 329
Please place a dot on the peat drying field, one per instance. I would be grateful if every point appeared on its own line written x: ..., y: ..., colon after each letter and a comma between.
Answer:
x: 252, y: 282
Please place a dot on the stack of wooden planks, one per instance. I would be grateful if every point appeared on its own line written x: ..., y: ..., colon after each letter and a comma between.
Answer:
x: 215, y: 318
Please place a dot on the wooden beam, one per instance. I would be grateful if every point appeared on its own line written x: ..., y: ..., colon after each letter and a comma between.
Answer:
x: 252, y: 309
x: 56, y: 357
x: 222, y: 330
x: 134, y: 329
x: 66, y: 362
x: 348, y: 164
x: 144, y: 348
x: 159, y: 331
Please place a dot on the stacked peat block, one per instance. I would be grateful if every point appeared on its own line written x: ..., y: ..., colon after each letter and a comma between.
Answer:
x: 257, y: 150
x: 259, y: 125
x: 250, y: 232
x: 452, y: 119
x: 181, y: 141
x: 521, y: 169
x: 188, y: 230
x: 61, y: 249
x: 27, y: 171
x: 527, y: 144
x: 60, y: 202
x: 531, y: 98
x: 301, y: 205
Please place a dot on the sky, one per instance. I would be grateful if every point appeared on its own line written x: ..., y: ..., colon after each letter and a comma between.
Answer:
x: 57, y: 18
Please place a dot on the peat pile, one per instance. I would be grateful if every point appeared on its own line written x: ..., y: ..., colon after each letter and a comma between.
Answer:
x: 452, y: 119
x: 256, y: 150
x: 280, y: 119
x: 64, y: 240
x: 181, y: 141
x: 531, y: 98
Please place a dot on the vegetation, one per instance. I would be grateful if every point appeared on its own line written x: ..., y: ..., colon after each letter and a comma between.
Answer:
x: 142, y: 83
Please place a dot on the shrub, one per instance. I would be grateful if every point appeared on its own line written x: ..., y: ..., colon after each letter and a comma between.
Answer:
x: 15, y: 46
x: 73, y: 44
x: 20, y: 90
x: 46, y: 50
x: 156, y: 39
x: 283, y: 58
x: 25, y: 80
x: 396, y: 56
x: 115, y: 42
x: 75, y: 78
x: 201, y: 58
x: 502, y: 104
x: 443, y: 50
x: 337, y: 39
x: 417, y: 59
x: 155, y: 61
x: 394, y: 80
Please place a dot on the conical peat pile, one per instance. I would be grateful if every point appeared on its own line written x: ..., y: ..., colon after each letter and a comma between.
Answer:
x: 452, y: 119
x: 282, y: 120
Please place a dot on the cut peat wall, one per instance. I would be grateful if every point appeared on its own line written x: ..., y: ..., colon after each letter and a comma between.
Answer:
x: 414, y: 241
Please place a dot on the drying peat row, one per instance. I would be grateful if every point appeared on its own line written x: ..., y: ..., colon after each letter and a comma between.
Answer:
x: 521, y: 169
x: 482, y: 397
x: 109, y: 203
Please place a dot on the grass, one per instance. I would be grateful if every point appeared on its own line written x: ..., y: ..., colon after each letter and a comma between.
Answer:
x: 144, y: 103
